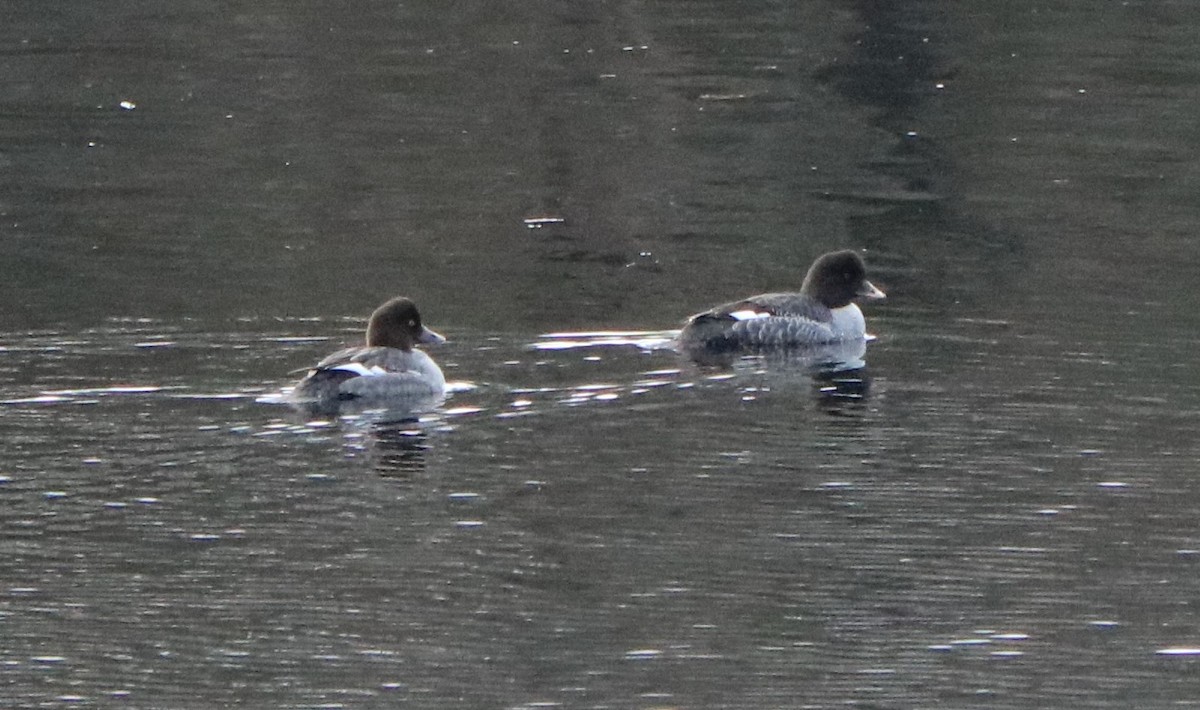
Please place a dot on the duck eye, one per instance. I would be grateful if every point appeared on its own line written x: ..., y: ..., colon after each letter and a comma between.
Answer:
x: 412, y: 324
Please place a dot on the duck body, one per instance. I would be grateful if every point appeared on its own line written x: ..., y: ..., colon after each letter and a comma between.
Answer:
x: 773, y: 320
x: 822, y: 313
x: 373, y: 372
x: 387, y: 370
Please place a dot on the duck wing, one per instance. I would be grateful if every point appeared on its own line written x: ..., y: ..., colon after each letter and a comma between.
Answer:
x: 769, y: 320
x: 366, y: 360
x: 774, y: 305
x: 379, y: 372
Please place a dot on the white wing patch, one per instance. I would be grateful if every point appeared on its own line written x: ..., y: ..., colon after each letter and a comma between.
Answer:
x: 748, y: 315
x: 360, y: 369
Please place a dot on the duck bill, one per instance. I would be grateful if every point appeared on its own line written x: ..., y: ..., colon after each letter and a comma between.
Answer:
x: 430, y: 337
x: 870, y: 292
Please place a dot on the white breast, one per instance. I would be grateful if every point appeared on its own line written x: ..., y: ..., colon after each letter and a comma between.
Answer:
x: 848, y: 322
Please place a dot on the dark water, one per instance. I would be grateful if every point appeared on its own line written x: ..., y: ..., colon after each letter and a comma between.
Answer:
x: 1004, y: 518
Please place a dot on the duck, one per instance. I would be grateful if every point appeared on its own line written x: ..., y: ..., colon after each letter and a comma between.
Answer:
x: 822, y: 314
x: 387, y: 369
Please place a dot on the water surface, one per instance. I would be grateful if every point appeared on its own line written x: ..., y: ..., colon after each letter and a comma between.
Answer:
x: 1000, y: 513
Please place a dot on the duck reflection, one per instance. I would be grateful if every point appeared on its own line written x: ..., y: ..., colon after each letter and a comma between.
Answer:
x: 842, y: 392
x: 400, y: 448
x: 394, y: 439
x: 824, y: 358
x: 837, y: 372
x: 395, y: 412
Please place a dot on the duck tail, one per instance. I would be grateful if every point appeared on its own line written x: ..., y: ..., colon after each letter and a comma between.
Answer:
x: 324, y: 383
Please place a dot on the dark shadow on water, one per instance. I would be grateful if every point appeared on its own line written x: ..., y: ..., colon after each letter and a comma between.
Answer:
x: 893, y: 72
x: 895, y: 68
x: 926, y: 243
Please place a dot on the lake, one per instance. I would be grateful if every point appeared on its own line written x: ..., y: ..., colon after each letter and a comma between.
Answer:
x: 999, y: 511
